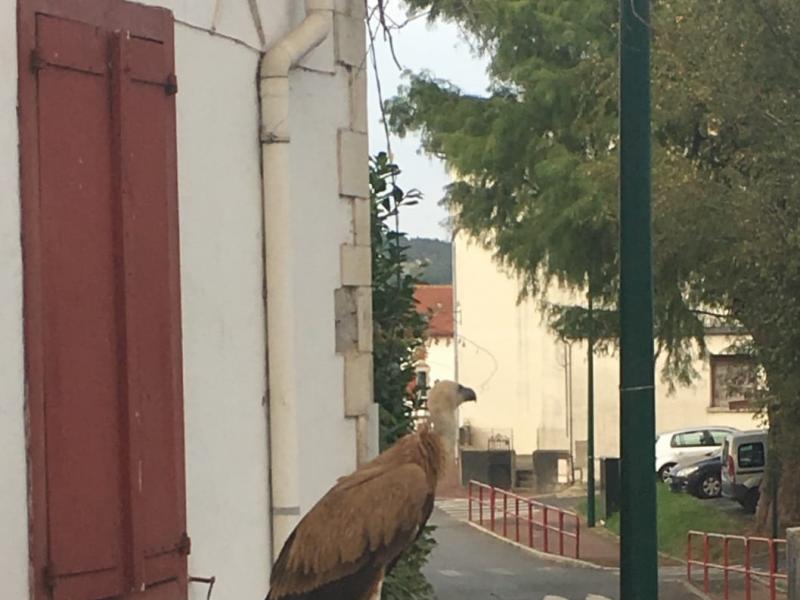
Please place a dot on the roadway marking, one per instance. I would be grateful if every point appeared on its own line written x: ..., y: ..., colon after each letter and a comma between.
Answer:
x: 500, y: 571
x: 589, y: 597
x: 458, y: 508
x: 451, y: 573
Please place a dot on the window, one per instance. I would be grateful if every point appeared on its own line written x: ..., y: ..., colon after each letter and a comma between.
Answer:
x: 719, y: 436
x: 422, y: 380
x: 733, y: 382
x: 421, y: 385
x: 751, y: 456
x: 694, y: 439
x: 102, y: 300
x: 689, y: 439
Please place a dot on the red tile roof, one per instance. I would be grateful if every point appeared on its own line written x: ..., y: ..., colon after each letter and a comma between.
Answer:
x: 436, y: 300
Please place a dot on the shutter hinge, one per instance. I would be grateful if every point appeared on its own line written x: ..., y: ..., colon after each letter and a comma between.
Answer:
x: 37, y: 62
x: 171, y: 86
x: 184, y: 546
x: 49, y: 576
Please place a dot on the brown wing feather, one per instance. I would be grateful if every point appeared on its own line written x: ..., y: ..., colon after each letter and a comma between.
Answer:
x: 360, y: 526
x: 427, y: 510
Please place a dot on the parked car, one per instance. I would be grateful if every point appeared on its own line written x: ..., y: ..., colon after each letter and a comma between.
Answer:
x: 700, y: 478
x: 693, y: 442
x: 744, y: 458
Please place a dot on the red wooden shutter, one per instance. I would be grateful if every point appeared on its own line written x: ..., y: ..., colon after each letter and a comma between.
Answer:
x: 102, y: 306
x: 146, y: 142
x: 79, y: 329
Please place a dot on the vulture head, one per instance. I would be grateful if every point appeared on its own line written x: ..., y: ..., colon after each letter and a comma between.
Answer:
x: 447, y: 396
x: 443, y: 401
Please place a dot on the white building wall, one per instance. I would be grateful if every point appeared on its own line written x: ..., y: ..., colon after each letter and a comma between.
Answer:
x: 223, y: 314
x: 218, y: 45
x: 327, y: 439
x: 13, y: 476
x: 518, y: 369
x: 441, y: 360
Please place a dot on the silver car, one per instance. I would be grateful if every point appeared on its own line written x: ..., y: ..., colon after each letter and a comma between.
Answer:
x: 680, y: 445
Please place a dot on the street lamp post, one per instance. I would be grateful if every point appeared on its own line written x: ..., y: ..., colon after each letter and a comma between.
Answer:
x: 639, y: 557
x: 591, y: 500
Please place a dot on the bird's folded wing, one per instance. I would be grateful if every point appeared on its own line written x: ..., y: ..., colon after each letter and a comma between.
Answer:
x: 367, y: 517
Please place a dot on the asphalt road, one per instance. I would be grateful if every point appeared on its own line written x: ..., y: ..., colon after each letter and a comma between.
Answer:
x: 470, y: 565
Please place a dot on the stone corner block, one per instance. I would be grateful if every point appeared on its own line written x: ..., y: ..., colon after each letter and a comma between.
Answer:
x: 353, y: 164
x: 356, y: 265
x: 354, y: 8
x: 358, y: 379
x: 350, y: 40
x: 359, y: 115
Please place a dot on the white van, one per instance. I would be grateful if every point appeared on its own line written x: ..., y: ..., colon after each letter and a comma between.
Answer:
x: 744, y: 458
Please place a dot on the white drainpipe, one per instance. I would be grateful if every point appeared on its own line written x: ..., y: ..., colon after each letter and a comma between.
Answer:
x: 283, y: 266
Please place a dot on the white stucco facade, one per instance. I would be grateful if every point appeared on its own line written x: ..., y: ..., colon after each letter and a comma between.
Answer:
x: 14, y: 496
x: 219, y: 45
x: 522, y: 375
x: 441, y: 359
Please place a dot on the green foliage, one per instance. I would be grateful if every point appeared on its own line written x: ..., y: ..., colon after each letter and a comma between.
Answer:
x: 431, y: 260
x: 537, y: 159
x: 406, y: 581
x: 398, y: 330
x: 678, y: 514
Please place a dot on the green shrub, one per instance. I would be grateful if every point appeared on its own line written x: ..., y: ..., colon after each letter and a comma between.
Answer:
x: 398, y: 330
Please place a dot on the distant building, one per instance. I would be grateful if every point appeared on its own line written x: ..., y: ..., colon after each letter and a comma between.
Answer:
x: 437, y: 361
x: 532, y: 387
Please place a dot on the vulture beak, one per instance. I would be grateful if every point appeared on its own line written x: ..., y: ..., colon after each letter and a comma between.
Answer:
x: 467, y: 394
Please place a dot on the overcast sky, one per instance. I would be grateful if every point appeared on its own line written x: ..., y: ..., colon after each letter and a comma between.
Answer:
x: 439, y: 49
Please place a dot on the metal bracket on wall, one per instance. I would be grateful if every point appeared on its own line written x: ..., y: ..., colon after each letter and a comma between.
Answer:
x: 50, y: 578
x: 171, y: 86
x: 184, y: 546
x: 37, y: 62
x: 209, y: 581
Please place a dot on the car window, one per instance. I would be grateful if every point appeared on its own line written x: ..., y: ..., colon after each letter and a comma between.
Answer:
x: 689, y: 439
x: 751, y: 456
x: 719, y: 436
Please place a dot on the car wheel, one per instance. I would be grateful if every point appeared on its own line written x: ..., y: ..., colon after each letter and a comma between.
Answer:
x: 663, y: 473
x: 750, y: 503
x: 710, y: 487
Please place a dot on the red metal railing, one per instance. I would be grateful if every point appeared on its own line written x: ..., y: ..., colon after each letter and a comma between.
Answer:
x: 549, y: 528
x: 738, y: 559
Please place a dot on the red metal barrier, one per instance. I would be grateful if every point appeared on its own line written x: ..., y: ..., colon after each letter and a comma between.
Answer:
x: 550, y: 520
x: 770, y: 573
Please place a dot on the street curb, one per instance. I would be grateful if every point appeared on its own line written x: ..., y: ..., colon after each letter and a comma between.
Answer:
x: 565, y: 560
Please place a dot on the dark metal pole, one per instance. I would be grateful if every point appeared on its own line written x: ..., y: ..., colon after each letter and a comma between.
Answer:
x: 639, y: 556
x: 590, y: 513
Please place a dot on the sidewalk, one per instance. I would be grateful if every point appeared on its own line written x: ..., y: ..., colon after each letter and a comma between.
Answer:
x: 597, y: 545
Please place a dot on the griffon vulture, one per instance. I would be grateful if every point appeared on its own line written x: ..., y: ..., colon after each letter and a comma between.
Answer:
x: 352, y: 538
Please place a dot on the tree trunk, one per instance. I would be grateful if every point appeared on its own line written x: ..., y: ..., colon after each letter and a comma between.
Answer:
x: 783, y: 460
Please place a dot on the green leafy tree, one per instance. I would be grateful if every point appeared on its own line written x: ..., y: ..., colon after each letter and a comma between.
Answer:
x: 537, y: 160
x: 398, y: 330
